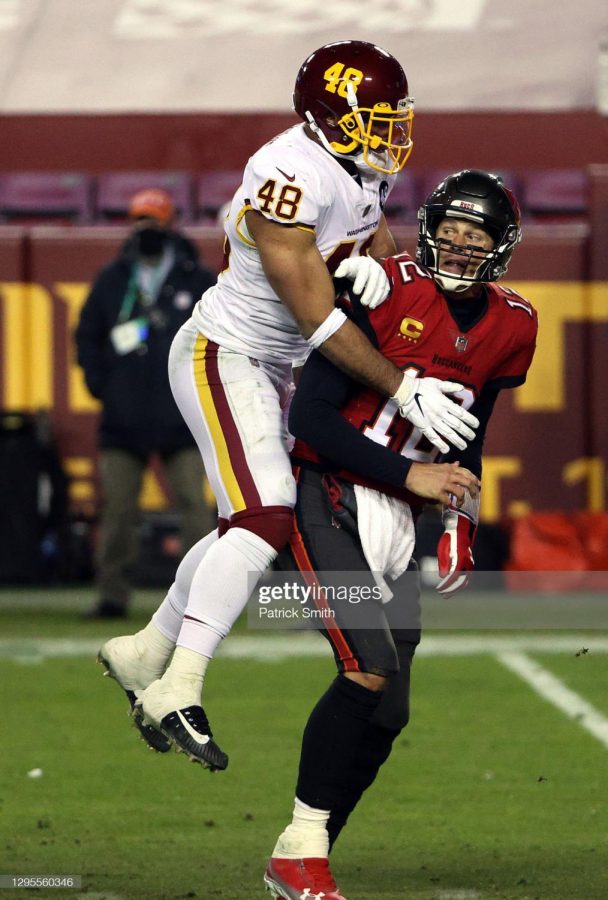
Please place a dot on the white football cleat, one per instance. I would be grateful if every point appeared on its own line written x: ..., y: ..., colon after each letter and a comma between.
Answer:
x: 125, y: 661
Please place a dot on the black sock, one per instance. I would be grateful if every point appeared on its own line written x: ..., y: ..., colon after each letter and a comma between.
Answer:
x: 330, y: 742
x: 373, y: 750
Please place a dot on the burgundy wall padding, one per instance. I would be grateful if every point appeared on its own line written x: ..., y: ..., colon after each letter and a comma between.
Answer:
x: 447, y: 141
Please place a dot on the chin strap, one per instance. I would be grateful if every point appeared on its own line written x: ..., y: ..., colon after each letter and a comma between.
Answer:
x: 328, y: 145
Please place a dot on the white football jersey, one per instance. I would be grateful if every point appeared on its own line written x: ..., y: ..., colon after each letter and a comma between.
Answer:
x: 294, y: 181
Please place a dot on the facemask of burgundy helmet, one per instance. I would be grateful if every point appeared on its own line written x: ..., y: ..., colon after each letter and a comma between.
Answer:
x: 354, y: 97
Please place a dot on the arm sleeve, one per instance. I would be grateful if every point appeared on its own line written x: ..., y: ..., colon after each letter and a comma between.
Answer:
x: 315, y: 417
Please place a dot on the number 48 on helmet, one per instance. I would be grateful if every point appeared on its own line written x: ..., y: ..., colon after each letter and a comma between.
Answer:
x: 354, y: 97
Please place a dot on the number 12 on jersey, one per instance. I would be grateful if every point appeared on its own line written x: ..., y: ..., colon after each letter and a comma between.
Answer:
x: 389, y: 422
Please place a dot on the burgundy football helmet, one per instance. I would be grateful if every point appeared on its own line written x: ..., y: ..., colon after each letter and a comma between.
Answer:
x: 354, y: 96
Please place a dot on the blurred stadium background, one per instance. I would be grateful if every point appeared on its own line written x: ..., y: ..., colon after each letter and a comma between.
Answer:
x: 99, y: 99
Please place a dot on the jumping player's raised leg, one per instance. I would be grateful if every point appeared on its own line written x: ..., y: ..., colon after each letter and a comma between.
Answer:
x: 234, y: 408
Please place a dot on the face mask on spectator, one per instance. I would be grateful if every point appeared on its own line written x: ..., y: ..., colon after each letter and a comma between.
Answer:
x: 151, y: 241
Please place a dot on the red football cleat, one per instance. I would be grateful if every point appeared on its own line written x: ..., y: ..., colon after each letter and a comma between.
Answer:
x: 301, y: 879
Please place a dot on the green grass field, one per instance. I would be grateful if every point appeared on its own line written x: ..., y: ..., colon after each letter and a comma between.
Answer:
x: 491, y: 792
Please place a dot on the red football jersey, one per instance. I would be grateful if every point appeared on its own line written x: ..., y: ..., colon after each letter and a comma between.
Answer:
x: 416, y: 330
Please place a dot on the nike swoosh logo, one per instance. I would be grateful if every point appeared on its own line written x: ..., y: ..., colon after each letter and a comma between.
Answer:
x: 285, y: 175
x: 416, y: 396
x: 198, y: 737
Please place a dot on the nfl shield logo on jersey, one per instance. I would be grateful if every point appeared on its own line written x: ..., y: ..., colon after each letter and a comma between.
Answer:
x: 461, y: 343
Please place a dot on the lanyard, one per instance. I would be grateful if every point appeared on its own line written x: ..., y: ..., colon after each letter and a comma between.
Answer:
x: 130, y: 298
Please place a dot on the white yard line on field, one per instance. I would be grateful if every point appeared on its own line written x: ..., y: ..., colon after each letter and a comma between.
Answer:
x: 286, y: 646
x: 556, y: 692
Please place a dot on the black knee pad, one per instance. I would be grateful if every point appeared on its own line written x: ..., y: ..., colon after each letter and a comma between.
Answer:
x: 393, y: 711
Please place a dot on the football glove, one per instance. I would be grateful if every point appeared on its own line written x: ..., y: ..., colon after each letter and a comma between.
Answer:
x: 423, y: 402
x: 368, y: 277
x: 455, y: 551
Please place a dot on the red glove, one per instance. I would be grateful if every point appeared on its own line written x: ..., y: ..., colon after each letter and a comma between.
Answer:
x: 454, y: 552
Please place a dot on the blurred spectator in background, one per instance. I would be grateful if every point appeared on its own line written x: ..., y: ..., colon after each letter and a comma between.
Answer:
x: 136, y: 305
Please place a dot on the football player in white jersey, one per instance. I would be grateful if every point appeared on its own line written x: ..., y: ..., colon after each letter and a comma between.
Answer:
x: 311, y: 201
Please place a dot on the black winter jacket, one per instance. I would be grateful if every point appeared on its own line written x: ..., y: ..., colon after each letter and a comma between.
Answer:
x: 138, y: 410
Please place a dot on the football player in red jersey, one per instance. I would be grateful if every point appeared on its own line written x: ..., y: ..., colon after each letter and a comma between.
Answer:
x: 354, y: 459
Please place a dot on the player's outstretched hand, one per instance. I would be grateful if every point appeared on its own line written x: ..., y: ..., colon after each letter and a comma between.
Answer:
x: 368, y: 277
x: 445, y: 482
x: 455, y: 552
x: 423, y: 402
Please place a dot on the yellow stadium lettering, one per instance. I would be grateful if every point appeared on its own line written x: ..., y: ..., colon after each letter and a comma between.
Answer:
x: 152, y: 497
x: 590, y: 470
x: 517, y: 509
x: 558, y: 303
x: 27, y: 346
x: 495, y: 468
x: 81, y: 470
x: 73, y: 294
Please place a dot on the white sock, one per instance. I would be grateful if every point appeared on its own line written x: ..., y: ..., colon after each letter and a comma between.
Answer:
x: 221, y: 587
x: 184, y: 677
x: 154, y: 648
x: 306, y: 836
x: 168, y: 617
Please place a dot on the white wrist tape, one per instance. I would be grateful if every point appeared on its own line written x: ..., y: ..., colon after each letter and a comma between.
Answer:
x: 405, y: 391
x: 332, y: 323
x: 469, y: 508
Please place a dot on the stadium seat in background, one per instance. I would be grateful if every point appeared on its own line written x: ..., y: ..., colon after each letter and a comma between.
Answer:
x: 115, y: 189
x: 555, y: 193
x: 213, y: 191
x: 402, y: 205
x: 31, y: 197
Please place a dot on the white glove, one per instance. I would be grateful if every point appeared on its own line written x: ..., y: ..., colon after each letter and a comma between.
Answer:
x: 422, y: 402
x: 368, y: 277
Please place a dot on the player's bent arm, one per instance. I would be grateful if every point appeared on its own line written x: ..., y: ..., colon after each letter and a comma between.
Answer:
x: 295, y: 270
x: 297, y: 273
x: 383, y: 244
x: 315, y: 417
